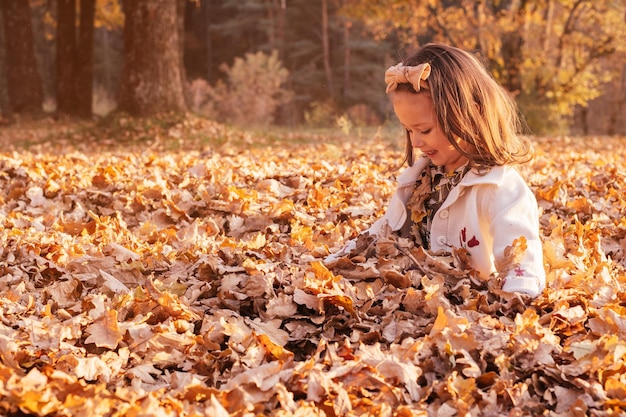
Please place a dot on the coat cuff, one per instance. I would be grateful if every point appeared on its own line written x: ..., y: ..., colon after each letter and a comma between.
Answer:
x: 394, y: 217
x: 526, y: 285
x: 346, y: 250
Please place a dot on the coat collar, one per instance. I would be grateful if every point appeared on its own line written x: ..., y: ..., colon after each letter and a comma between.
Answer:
x: 411, y: 174
x: 495, y: 176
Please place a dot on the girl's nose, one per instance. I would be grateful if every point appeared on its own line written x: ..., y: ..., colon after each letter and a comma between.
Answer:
x: 415, y: 142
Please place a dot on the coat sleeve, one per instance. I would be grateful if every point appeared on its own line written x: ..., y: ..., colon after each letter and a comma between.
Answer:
x: 396, y: 214
x: 513, y: 214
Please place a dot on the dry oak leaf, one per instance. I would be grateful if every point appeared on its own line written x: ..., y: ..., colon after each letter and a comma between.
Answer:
x: 392, y: 368
x: 104, y: 331
x: 170, y: 303
x: 264, y: 377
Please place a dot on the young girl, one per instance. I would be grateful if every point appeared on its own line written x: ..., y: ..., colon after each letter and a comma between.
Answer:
x: 462, y: 190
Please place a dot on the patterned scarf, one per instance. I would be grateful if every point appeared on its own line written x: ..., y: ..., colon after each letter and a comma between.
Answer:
x: 431, y: 189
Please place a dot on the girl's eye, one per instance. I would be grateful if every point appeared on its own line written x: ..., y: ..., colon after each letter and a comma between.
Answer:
x: 421, y: 132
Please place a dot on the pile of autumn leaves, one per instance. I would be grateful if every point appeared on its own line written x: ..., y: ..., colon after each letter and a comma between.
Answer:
x: 187, y: 281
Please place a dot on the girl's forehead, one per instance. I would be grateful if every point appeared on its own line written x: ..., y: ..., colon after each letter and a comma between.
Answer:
x: 413, y: 108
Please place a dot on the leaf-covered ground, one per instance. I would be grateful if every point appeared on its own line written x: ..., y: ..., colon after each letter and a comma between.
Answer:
x: 174, y: 269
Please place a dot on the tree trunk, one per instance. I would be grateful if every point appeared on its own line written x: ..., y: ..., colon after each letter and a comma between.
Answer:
x: 4, y: 97
x: 276, y: 10
x: 584, y: 120
x: 24, y: 86
x: 75, y: 58
x: 512, y: 58
x: 281, y: 37
x: 618, y: 109
x: 67, y: 102
x: 151, y: 81
x: 271, y: 30
x: 347, y: 25
x: 512, y: 44
x: 208, y: 40
x: 180, y: 28
x: 326, y: 48
x: 84, y: 59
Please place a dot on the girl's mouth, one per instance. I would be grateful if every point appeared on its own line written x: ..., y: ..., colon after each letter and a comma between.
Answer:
x: 429, y: 153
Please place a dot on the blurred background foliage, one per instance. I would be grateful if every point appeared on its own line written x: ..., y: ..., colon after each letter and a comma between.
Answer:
x: 321, y: 63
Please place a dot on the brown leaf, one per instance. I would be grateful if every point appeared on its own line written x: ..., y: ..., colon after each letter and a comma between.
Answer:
x: 105, y: 332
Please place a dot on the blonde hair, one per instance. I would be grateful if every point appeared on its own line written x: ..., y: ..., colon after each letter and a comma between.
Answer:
x: 472, y: 106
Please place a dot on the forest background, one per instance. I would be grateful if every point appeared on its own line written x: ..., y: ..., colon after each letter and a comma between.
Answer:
x: 301, y: 62
x: 158, y: 262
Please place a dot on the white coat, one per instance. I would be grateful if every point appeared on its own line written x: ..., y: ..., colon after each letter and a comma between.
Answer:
x: 483, y: 214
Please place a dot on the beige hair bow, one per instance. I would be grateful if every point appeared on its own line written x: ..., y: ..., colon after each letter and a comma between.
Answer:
x: 401, y: 74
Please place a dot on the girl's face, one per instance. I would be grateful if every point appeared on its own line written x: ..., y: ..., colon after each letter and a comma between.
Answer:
x: 416, y: 113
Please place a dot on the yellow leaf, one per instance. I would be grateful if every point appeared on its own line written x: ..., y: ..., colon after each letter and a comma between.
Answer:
x: 274, y: 349
x: 342, y: 301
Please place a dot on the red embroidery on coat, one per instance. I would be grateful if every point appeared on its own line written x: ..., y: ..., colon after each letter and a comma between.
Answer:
x: 519, y: 271
x: 463, y: 238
